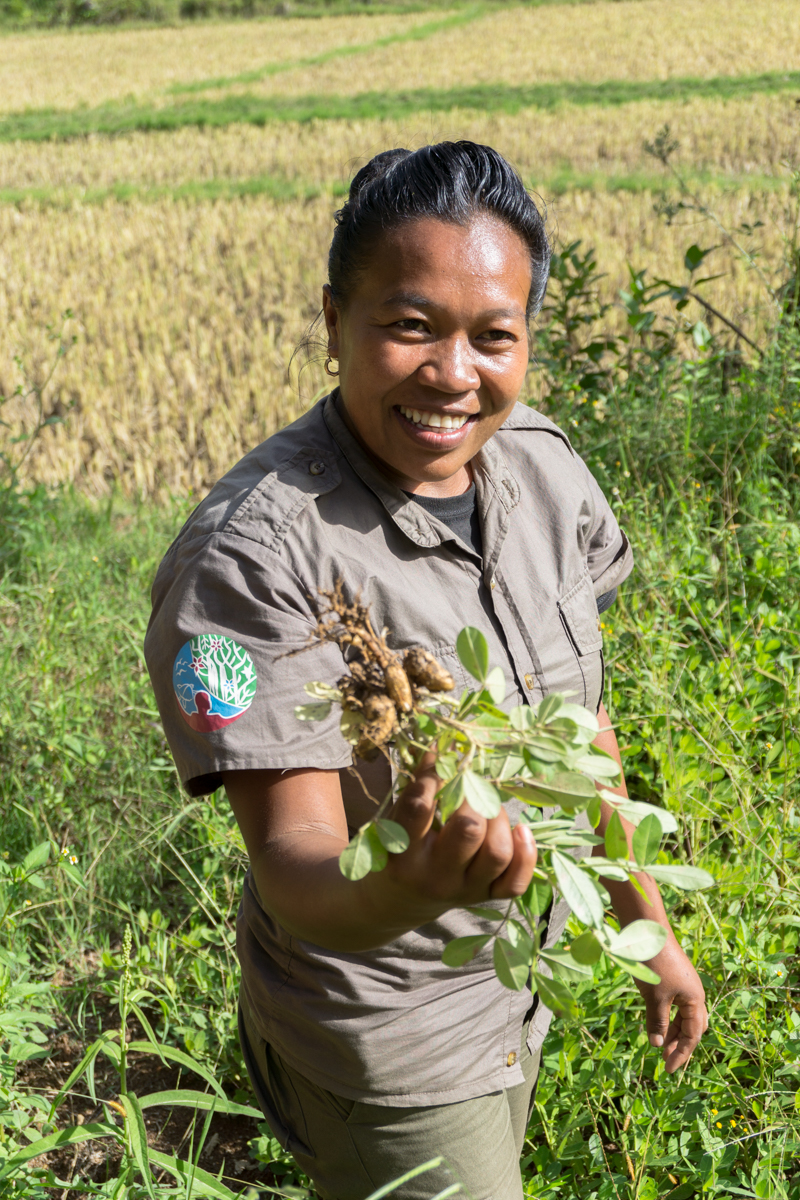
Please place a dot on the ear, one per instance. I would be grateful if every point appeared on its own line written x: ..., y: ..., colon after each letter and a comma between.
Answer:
x: 332, y: 320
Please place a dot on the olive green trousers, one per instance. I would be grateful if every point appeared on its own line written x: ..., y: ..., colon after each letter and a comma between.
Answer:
x: 350, y: 1148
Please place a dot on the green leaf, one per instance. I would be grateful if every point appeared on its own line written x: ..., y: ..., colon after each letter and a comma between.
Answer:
x: 72, y: 873
x: 555, y: 995
x: 568, y: 789
x: 481, y: 795
x: 36, y: 858
x: 364, y: 853
x: 70, y: 1136
x: 520, y: 939
x: 538, y: 894
x: 138, y: 1139
x: 635, y: 811
x: 201, y: 1182
x: 586, y: 948
x: 564, y: 965
x: 351, y: 725
x: 694, y: 256
x: 527, y: 794
x: 187, y: 1098
x: 462, y: 950
x: 521, y: 718
x: 638, y: 941
x: 585, y: 720
x: 598, y: 764
x: 616, y: 839
x: 547, y: 708
x: 488, y: 914
x: 511, y: 965
x: 636, y: 969
x: 688, y: 879
x: 646, y: 840
x: 473, y: 652
x: 446, y: 765
x: 495, y: 685
x: 317, y: 711
x: 91, y: 1052
x: 322, y: 691
x: 185, y: 1060
x: 393, y: 837
x: 594, y: 811
x: 451, y: 797
x: 578, y: 889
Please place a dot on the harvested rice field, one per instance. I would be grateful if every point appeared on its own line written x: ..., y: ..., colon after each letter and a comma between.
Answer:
x: 192, y: 257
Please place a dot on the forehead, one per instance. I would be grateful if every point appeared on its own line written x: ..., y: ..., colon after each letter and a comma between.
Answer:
x: 435, y: 258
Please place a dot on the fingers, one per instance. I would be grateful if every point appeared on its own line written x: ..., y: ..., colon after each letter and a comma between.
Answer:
x: 658, y: 1010
x: 679, y: 1037
x: 415, y: 807
x: 517, y: 875
x: 683, y: 1035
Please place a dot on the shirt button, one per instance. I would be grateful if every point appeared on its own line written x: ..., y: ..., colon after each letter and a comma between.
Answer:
x: 529, y: 681
x: 317, y: 468
x: 599, y: 626
x: 492, y: 583
x: 512, y: 1058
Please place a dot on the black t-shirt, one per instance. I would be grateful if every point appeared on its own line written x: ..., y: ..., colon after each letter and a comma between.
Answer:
x: 460, y: 513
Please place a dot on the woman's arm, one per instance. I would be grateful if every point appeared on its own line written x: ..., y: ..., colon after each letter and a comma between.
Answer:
x: 680, y: 984
x: 293, y: 824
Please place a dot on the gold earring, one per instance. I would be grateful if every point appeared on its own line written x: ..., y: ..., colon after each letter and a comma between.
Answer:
x: 328, y: 370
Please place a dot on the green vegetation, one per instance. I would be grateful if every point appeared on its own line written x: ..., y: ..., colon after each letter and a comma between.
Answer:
x: 16, y: 14
x: 279, y: 188
x: 700, y: 453
x: 43, y: 124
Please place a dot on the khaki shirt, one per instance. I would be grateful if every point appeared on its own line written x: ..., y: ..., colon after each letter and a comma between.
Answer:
x: 236, y: 592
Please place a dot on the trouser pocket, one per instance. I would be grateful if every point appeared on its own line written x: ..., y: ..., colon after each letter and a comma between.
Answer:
x: 270, y: 1089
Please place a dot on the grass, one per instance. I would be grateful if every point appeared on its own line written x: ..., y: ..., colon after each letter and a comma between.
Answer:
x: 702, y: 655
x: 45, y: 124
x: 564, y: 182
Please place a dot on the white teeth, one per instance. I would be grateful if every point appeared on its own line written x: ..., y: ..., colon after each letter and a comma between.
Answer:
x: 435, y: 420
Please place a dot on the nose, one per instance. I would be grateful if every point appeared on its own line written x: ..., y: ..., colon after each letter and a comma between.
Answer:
x: 450, y: 367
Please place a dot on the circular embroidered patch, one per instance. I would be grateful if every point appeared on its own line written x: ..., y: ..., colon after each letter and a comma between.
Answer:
x: 214, y: 681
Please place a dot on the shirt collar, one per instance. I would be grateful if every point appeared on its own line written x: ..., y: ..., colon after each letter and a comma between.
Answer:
x: 493, y: 482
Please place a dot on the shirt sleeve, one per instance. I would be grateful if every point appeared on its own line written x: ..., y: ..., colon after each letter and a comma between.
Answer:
x: 608, y: 552
x: 229, y: 651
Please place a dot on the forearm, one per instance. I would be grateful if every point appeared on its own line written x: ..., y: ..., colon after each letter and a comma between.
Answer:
x: 300, y: 884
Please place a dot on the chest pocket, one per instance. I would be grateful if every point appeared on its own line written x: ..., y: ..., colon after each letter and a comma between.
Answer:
x: 578, y: 610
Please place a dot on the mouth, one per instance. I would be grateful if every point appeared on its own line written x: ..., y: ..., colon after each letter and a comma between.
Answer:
x: 436, y: 429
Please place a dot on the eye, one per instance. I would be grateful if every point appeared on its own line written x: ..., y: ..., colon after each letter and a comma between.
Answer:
x: 412, y: 324
x: 497, y: 336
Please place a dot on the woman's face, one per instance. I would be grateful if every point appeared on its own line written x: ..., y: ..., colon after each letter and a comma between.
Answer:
x: 433, y: 347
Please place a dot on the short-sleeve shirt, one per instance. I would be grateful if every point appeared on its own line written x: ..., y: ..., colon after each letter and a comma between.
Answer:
x: 237, y: 593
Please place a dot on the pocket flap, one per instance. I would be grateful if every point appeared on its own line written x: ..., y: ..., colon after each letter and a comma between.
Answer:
x: 578, y: 610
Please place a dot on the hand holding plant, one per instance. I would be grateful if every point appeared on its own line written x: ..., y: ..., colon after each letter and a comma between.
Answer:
x: 543, y: 756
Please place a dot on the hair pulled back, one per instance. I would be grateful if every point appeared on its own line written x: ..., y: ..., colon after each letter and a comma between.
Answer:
x: 451, y: 181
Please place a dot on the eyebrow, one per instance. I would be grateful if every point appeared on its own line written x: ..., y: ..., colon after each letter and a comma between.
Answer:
x: 415, y: 300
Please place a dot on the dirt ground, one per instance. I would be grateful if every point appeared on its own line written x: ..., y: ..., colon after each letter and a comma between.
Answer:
x: 170, y: 1131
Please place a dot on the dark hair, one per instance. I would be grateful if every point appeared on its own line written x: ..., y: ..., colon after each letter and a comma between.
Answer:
x: 452, y: 181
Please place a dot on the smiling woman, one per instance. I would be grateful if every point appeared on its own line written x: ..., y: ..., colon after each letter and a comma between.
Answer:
x: 421, y: 486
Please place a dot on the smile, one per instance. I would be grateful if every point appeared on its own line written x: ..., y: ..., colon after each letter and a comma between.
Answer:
x: 435, y: 420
